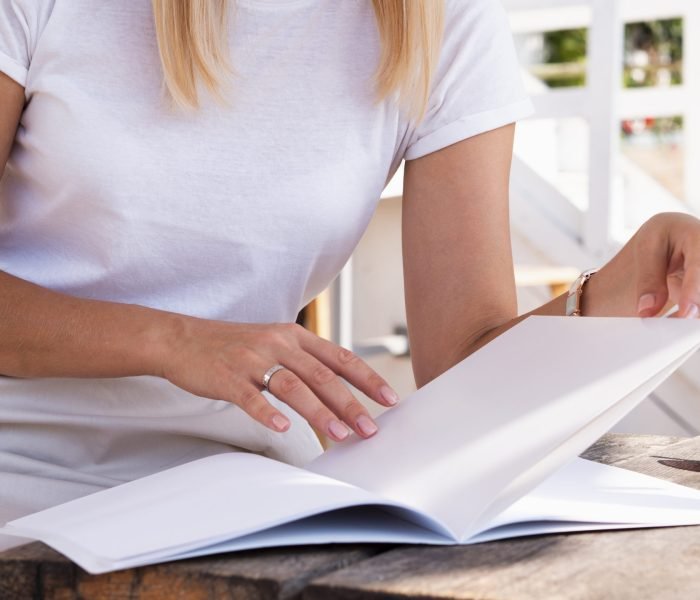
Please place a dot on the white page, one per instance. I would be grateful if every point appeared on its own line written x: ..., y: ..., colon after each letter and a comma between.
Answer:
x: 365, y: 524
x: 360, y: 525
x: 580, y: 496
x: 584, y: 495
x: 573, y: 446
x: 457, y: 443
x: 197, y: 504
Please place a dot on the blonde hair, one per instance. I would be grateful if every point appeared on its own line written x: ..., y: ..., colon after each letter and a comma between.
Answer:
x: 192, y: 41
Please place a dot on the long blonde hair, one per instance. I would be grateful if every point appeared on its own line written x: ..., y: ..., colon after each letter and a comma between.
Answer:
x: 192, y: 41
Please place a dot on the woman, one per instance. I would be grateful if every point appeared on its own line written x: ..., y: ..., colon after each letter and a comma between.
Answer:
x: 157, y: 241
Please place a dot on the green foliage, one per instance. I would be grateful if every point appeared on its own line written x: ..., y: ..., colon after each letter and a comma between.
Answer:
x: 661, y: 40
x: 663, y: 43
x: 565, y: 46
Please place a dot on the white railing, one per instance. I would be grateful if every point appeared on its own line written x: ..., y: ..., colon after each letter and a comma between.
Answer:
x: 604, y: 103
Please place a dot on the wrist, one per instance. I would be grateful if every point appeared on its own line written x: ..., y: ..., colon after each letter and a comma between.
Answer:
x: 602, y: 295
x: 162, y: 334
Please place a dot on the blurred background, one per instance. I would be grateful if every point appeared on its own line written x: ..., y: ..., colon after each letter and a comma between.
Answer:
x: 615, y: 139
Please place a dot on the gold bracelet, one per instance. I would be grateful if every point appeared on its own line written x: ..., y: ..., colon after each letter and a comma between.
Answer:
x: 573, y: 299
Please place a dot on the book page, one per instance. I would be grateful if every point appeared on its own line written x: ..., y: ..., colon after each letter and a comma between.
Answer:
x: 457, y: 444
x: 573, y: 446
x: 360, y: 525
x: 195, y: 505
x: 584, y: 495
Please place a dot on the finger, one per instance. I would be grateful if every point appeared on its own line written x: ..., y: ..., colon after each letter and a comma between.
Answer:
x: 652, y: 268
x: 249, y: 398
x: 290, y: 389
x: 352, y: 368
x: 328, y: 387
x: 689, y: 300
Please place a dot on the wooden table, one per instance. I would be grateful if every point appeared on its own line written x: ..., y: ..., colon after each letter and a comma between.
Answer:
x: 638, y: 564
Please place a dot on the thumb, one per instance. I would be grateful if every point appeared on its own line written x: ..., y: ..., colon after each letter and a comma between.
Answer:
x: 652, y: 289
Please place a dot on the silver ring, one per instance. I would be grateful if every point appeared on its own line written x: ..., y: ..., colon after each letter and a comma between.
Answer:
x: 269, y: 373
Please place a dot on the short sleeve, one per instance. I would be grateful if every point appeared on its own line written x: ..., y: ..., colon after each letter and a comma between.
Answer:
x: 477, y: 86
x: 21, y: 25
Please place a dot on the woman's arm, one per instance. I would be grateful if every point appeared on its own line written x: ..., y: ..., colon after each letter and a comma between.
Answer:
x: 458, y: 267
x: 47, y: 334
x: 460, y: 289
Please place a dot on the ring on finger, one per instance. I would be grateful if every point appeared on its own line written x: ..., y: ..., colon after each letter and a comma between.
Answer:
x: 269, y: 373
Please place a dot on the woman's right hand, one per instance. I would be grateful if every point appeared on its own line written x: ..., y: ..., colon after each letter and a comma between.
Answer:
x: 227, y: 361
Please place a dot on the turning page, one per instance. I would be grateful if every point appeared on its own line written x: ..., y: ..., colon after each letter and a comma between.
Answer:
x: 487, y: 431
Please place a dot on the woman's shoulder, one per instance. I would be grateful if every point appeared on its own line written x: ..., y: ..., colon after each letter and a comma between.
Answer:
x: 477, y: 83
x: 477, y: 32
x: 31, y: 14
x: 468, y: 14
x: 22, y: 22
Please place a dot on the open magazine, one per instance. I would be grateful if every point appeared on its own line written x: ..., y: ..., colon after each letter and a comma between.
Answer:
x: 486, y: 451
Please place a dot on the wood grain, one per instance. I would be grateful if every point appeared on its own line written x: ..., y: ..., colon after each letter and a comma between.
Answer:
x: 37, y: 572
x: 646, y: 564
x: 614, y: 448
x: 678, y: 462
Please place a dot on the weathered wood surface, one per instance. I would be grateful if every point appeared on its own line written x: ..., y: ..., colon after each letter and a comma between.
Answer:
x: 614, y: 449
x: 656, y: 563
x: 37, y: 572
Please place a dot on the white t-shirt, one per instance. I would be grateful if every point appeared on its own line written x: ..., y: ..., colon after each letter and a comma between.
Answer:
x: 241, y: 212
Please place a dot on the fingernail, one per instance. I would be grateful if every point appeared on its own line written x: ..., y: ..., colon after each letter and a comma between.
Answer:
x: 338, y: 430
x: 691, y: 312
x: 280, y: 423
x: 389, y: 395
x: 366, y: 425
x: 646, y: 302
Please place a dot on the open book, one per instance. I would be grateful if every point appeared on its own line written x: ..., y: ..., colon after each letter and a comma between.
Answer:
x: 486, y: 451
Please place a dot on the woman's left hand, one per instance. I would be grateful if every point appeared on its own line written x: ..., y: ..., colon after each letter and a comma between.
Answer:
x: 658, y: 268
